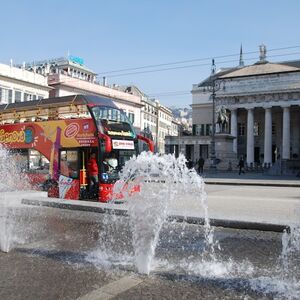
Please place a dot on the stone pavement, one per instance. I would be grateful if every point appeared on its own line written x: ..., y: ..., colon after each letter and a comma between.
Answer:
x: 53, y: 258
x: 55, y: 263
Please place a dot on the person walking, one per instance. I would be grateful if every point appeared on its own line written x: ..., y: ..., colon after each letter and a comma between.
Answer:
x: 241, y: 166
x: 93, y: 175
x: 201, y: 162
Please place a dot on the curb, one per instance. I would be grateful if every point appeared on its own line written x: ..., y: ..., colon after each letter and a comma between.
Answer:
x: 190, y: 220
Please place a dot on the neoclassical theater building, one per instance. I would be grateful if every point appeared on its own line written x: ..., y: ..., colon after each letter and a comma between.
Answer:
x: 261, y: 102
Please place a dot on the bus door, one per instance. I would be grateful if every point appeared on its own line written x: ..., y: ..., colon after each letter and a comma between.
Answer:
x: 89, y: 185
x: 68, y: 182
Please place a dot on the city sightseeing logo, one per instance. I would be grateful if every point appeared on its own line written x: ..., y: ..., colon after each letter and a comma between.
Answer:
x: 12, y: 137
x: 71, y: 130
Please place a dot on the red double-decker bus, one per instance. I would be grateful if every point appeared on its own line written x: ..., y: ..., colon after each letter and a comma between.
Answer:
x: 54, y: 140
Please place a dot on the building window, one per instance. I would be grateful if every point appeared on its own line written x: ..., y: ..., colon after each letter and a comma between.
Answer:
x: 26, y: 97
x: 202, y: 129
x: 241, y: 129
x: 256, y: 129
x: 207, y: 129
x: 273, y: 129
x: 29, y: 97
x: 69, y: 163
x: 194, y: 129
x: 131, y: 117
x: 18, y: 96
x: 5, y: 95
x: 10, y: 96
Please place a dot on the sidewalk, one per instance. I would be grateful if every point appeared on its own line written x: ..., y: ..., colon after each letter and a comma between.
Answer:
x: 250, y: 178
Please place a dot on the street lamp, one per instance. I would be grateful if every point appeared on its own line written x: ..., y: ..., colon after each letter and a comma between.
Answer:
x: 213, y: 85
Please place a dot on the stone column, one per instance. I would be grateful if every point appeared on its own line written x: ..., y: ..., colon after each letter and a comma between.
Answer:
x: 268, y: 137
x: 250, y: 137
x: 286, y: 135
x: 233, y: 126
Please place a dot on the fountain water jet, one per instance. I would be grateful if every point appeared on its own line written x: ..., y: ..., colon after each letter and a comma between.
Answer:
x: 13, y: 180
x: 161, y: 180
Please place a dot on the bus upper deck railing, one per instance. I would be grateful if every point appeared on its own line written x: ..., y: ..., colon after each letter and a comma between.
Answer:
x: 44, y: 114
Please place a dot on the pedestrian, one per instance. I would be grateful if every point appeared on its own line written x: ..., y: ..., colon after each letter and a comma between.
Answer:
x: 241, y: 166
x: 93, y: 175
x: 190, y: 164
x: 201, y: 162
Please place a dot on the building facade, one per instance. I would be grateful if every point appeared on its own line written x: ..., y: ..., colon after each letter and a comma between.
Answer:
x: 69, y: 76
x: 263, y: 102
x: 71, y: 66
x: 157, y: 120
x: 164, y: 119
x: 149, y: 118
x: 262, y: 106
x: 19, y: 85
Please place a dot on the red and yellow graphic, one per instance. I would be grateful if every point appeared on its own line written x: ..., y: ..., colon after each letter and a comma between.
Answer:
x: 43, y: 135
x: 48, y: 137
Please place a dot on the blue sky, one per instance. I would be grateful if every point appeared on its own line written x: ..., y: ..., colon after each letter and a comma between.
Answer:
x: 120, y: 34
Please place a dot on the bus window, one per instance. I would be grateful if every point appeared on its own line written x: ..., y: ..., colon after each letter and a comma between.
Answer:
x: 20, y: 157
x: 37, y: 161
x: 111, y: 166
x: 69, y: 163
x: 112, y: 121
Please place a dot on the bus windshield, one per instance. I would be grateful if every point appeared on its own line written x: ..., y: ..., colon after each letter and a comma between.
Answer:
x: 113, y: 162
x: 112, y: 121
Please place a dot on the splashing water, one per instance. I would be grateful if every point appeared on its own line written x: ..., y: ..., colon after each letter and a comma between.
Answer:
x: 160, y: 181
x: 290, y: 247
x: 12, y: 180
x: 283, y: 282
x: 11, y: 172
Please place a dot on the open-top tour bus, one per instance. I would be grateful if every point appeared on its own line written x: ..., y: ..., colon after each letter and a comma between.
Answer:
x: 53, y: 140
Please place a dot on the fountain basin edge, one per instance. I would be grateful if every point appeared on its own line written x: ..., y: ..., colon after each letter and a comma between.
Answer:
x: 117, y: 209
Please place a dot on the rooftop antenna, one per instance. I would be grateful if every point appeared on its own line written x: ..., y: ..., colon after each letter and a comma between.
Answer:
x: 241, y: 63
x: 262, y: 53
x: 213, y: 67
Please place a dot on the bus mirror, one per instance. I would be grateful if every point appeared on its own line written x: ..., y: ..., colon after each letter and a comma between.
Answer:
x: 102, y: 146
x: 105, y: 142
x: 148, y: 141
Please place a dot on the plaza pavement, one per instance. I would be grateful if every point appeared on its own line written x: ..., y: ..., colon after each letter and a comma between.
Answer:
x: 54, y: 265
x: 55, y: 262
